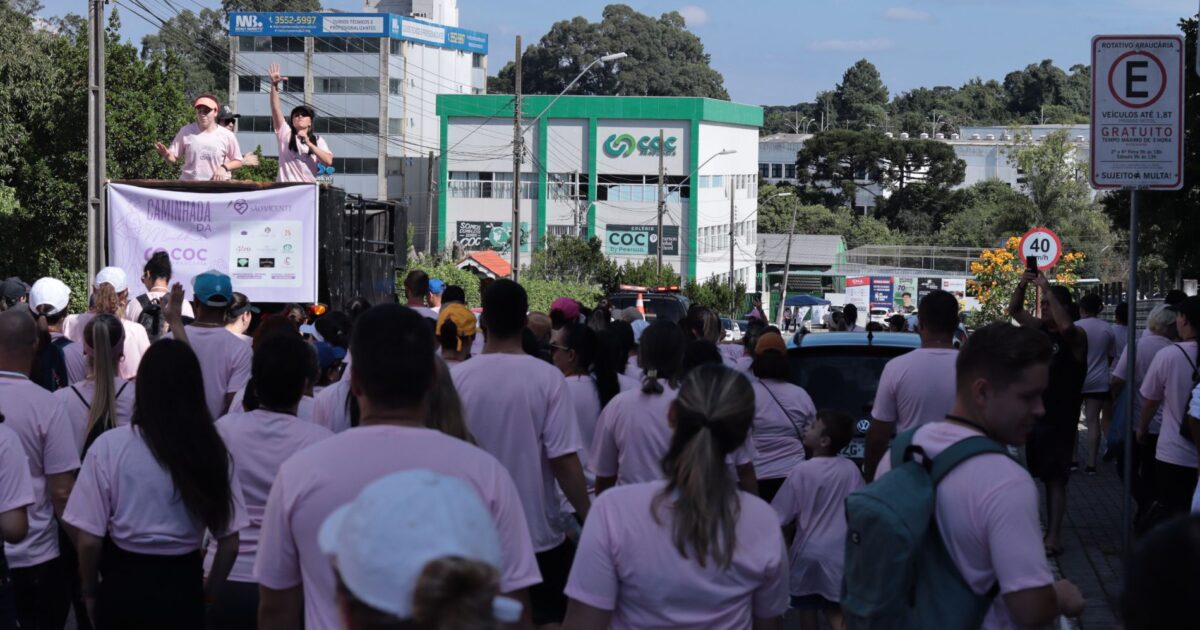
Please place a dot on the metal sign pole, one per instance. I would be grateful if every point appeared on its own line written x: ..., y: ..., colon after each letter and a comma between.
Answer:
x: 1130, y: 385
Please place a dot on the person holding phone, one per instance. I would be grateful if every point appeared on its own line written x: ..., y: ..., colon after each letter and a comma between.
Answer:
x: 300, y: 149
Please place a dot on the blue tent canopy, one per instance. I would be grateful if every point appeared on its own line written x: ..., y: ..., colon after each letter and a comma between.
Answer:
x: 804, y: 299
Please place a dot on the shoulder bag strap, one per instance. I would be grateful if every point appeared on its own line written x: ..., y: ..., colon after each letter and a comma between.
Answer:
x: 83, y: 400
x: 795, y: 426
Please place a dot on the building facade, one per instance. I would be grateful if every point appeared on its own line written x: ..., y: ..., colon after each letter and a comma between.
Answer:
x: 373, y: 80
x: 591, y: 168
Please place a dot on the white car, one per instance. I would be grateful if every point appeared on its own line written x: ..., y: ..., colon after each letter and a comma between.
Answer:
x: 879, y: 315
x: 733, y: 332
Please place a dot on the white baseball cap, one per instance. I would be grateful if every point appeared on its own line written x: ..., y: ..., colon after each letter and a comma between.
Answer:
x: 381, y: 541
x: 50, y: 291
x: 114, y: 276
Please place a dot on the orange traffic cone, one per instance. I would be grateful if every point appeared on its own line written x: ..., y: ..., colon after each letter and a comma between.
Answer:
x: 641, y: 307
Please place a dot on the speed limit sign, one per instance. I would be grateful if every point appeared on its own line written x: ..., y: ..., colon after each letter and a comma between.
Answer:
x: 1043, y: 244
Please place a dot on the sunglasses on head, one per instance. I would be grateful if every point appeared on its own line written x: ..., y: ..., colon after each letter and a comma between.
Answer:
x: 203, y: 110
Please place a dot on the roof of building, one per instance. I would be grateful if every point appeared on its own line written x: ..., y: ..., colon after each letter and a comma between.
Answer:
x: 786, y: 137
x: 809, y: 250
x: 488, y: 260
x: 629, y: 107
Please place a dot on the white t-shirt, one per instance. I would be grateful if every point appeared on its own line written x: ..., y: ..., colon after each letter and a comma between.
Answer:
x: 916, y: 388
x: 520, y: 410
x: 224, y: 362
x: 77, y: 403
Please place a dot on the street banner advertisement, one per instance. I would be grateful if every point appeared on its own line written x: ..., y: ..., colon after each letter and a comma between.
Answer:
x: 265, y: 240
x: 904, y: 298
x: 925, y: 286
x: 955, y: 286
x: 493, y: 235
x: 640, y: 240
x: 881, y: 292
x: 858, y: 293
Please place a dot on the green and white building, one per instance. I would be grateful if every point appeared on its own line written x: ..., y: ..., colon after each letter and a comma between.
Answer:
x: 591, y: 167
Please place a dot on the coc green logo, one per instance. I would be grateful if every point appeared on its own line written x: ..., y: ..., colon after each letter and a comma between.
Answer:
x: 623, y: 145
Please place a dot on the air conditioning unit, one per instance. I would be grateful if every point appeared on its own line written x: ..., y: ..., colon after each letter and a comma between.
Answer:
x: 955, y: 136
x: 991, y: 136
x: 889, y: 135
x: 904, y: 136
x: 924, y: 136
x: 940, y: 136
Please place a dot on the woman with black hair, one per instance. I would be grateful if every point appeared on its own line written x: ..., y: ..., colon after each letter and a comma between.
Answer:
x: 689, y: 550
x: 145, y: 497
x: 591, y: 376
x: 300, y: 149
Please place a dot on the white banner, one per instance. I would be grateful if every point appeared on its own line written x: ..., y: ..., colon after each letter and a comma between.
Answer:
x: 266, y: 240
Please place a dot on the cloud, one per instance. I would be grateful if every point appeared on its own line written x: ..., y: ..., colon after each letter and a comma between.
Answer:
x: 694, y: 15
x: 851, y: 45
x: 904, y: 14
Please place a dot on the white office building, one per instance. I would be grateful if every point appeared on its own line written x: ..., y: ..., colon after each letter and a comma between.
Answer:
x: 373, y: 78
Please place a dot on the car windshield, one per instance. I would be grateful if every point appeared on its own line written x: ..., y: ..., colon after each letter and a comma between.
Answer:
x: 666, y: 308
x: 842, y: 378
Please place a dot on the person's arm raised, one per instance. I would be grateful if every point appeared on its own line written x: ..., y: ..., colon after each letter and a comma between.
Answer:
x: 276, y: 78
x: 1016, y: 306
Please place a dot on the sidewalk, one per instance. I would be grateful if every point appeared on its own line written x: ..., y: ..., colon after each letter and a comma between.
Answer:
x: 1092, y: 539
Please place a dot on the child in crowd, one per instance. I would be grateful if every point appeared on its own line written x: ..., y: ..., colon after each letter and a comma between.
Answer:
x: 810, y: 508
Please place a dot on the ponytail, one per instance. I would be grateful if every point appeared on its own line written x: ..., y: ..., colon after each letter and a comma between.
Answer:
x: 445, y: 407
x: 712, y: 419
x: 659, y: 354
x: 448, y: 337
x: 103, y: 334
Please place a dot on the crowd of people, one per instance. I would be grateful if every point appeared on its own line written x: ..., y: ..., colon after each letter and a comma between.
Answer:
x: 202, y: 464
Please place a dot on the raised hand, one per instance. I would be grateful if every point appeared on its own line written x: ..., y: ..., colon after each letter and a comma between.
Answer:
x: 273, y: 74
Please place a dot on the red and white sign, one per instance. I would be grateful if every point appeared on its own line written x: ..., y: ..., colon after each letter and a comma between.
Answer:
x: 1137, y: 112
x: 1043, y: 244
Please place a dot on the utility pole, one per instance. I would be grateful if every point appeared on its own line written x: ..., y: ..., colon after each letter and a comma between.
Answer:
x: 662, y: 200
x: 429, y: 207
x: 732, y: 242
x: 514, y: 238
x: 97, y: 167
x: 787, y: 267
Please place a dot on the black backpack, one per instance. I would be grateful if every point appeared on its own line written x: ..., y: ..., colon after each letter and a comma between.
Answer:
x: 151, y: 317
x: 1185, y: 428
x: 50, y: 367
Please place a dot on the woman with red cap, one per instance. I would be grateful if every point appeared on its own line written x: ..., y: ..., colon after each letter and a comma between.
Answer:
x: 208, y: 150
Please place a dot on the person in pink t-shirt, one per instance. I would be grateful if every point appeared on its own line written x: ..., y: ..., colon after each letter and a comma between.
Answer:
x: 1097, y: 401
x: 225, y: 359
x: 111, y: 296
x: 260, y: 441
x: 519, y: 409
x: 987, y: 507
x: 392, y: 375
x: 300, y: 150
x: 690, y: 551
x: 917, y: 387
x: 811, y: 508
x: 782, y: 412
x: 103, y: 400
x: 1168, y: 385
x: 147, y: 494
x: 208, y: 150
x: 16, y: 490
x: 40, y: 575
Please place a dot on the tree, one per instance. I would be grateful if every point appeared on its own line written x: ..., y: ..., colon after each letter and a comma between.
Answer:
x: 861, y: 98
x: 716, y: 295
x: 665, y: 59
x: 201, y: 45
x: 572, y: 259
x: 270, y: 6
x: 1043, y: 85
x: 988, y: 212
x: 644, y: 274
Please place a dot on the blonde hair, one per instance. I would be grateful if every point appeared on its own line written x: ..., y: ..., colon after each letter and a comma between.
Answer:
x: 445, y: 407
x: 1160, y: 320
x: 712, y: 415
x: 105, y: 299
x: 104, y: 335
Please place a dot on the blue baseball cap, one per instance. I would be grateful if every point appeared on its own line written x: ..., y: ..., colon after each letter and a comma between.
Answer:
x: 213, y: 288
x: 436, y: 286
x: 328, y: 354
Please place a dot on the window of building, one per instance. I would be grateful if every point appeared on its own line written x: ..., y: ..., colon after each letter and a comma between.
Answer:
x: 346, y: 85
x: 476, y: 60
x: 346, y: 44
x: 567, y: 186
x: 356, y: 166
x: 369, y: 126
x: 641, y: 188
x: 789, y: 171
x: 248, y: 124
x: 489, y: 185
x: 293, y: 85
x: 395, y: 126
x: 395, y: 166
x: 271, y: 44
x: 396, y: 46
x: 776, y: 171
x: 764, y: 169
x: 394, y: 86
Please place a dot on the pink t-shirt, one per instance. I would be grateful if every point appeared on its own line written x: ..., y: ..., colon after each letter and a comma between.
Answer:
x: 123, y: 491
x: 520, y: 410
x: 299, y: 165
x: 814, y: 496
x: 38, y: 418
x: 987, y: 511
x: 134, y: 309
x: 330, y: 408
x: 587, y: 409
x: 1169, y: 380
x: 77, y: 403
x: 916, y: 388
x: 1120, y: 339
x: 1147, y: 348
x: 137, y: 342
x: 224, y: 362
x: 77, y: 367
x: 323, y: 477
x: 1100, y: 344
x: 731, y: 353
x: 628, y: 563
x: 781, y: 413
x: 632, y: 435
x: 259, y: 441
x: 203, y: 153
x: 304, y: 411
x: 16, y: 486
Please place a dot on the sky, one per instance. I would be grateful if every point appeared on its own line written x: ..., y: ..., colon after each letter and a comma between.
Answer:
x: 782, y: 52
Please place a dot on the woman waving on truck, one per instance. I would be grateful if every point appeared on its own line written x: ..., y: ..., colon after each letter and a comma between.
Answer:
x: 300, y: 150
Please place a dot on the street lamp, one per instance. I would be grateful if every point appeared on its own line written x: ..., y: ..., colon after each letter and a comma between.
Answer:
x: 518, y: 150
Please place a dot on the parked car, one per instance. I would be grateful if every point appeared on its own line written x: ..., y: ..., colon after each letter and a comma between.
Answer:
x: 733, y: 332
x: 841, y: 371
x: 665, y: 303
x: 879, y: 315
x: 827, y: 319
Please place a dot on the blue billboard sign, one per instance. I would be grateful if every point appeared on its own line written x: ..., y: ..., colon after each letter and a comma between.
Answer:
x: 356, y: 25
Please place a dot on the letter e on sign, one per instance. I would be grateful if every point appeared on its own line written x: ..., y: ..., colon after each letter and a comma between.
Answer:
x: 1043, y: 244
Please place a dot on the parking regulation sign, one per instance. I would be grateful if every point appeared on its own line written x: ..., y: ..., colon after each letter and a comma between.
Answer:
x: 1137, y: 112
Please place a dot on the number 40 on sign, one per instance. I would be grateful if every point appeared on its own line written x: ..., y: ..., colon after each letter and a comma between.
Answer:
x: 1044, y: 245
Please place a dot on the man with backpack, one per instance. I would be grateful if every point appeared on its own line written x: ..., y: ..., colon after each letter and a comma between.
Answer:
x: 147, y: 309
x: 970, y: 554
